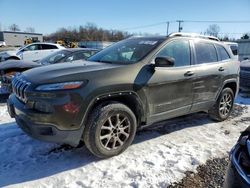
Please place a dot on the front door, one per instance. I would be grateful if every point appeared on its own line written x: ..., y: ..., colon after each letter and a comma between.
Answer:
x: 170, y: 91
x: 31, y: 52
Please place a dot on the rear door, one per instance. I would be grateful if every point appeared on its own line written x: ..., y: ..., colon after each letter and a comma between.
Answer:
x: 209, y: 75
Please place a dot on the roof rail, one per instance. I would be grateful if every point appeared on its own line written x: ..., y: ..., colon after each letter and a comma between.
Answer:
x: 193, y: 35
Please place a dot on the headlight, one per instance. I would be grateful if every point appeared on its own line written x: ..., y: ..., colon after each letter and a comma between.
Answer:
x: 61, y: 86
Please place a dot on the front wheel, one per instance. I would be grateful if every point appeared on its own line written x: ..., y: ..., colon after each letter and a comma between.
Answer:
x: 223, y: 106
x: 110, y: 130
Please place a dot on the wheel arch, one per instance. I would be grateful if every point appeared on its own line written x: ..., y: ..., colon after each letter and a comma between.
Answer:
x: 13, y: 57
x: 232, y: 84
x: 130, y: 99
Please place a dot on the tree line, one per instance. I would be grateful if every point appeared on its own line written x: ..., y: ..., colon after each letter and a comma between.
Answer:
x: 89, y: 32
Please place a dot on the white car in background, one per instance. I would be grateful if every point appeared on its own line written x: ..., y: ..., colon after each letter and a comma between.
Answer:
x: 31, y: 52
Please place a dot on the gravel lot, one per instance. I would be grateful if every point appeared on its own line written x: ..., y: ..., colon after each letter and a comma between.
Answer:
x: 209, y: 175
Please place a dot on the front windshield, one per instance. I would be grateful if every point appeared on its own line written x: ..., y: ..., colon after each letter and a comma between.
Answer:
x: 54, y: 57
x: 127, y: 51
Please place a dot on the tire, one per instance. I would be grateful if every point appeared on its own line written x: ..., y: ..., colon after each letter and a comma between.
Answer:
x: 110, y: 130
x: 223, y: 106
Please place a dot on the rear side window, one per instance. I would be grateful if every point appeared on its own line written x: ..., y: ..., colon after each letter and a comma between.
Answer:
x: 48, y: 47
x: 234, y: 50
x: 179, y: 50
x: 222, y: 53
x: 205, y: 53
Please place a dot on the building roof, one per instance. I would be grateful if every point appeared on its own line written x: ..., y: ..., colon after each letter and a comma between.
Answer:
x: 17, y: 32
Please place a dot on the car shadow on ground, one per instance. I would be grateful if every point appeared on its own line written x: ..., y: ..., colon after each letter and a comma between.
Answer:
x: 24, y: 159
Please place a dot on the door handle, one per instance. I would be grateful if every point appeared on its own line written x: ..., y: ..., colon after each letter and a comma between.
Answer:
x: 221, y: 69
x: 189, y: 73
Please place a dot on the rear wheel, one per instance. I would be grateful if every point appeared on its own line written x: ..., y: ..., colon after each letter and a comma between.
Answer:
x: 110, y: 130
x: 223, y: 106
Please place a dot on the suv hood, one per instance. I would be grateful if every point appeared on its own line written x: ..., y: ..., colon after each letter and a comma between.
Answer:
x: 64, y: 72
x: 245, y: 63
x: 17, y: 64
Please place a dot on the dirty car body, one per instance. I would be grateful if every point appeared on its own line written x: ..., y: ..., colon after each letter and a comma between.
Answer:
x: 152, y: 78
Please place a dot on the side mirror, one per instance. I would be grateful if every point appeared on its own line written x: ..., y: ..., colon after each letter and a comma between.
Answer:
x: 164, y: 62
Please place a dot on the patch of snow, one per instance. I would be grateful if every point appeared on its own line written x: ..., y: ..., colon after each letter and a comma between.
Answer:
x: 2, y: 89
x: 158, y: 156
x: 4, y: 116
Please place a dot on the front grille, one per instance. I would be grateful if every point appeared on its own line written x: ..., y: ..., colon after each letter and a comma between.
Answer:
x: 19, y: 87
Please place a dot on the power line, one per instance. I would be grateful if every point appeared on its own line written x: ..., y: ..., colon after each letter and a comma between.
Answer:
x: 217, y: 21
x: 180, y: 27
x: 145, y: 26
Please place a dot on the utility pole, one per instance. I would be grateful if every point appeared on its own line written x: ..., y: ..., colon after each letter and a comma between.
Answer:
x: 179, y: 28
x: 167, y: 27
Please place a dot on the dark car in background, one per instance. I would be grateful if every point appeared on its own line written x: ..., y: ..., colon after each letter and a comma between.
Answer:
x: 8, y: 69
x: 238, y: 172
x: 245, y: 76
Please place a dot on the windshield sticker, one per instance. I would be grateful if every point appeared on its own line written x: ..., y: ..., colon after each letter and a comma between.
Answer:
x: 149, y: 42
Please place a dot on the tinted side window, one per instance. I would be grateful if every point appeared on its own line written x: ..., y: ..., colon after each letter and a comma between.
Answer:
x: 32, y: 47
x: 205, y: 53
x: 234, y: 50
x: 48, y: 47
x: 81, y: 55
x: 222, y: 53
x: 179, y: 50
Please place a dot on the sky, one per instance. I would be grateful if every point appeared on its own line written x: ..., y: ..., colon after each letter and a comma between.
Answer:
x: 133, y: 16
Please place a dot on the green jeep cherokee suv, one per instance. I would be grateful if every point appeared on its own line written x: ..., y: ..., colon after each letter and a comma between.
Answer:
x: 135, y: 82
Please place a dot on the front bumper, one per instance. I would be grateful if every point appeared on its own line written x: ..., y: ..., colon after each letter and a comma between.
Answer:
x: 236, y: 175
x: 233, y: 179
x: 41, y: 126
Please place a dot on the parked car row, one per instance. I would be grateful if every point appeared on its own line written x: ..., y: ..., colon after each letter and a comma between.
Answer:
x: 9, y: 68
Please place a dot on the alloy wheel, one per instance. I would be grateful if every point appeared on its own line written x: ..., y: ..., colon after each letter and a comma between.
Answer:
x: 225, y: 104
x: 115, y: 131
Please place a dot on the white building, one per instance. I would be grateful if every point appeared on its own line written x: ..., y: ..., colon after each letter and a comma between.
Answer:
x: 12, y: 38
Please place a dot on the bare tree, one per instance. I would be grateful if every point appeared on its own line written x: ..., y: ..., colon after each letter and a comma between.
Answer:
x: 14, y: 27
x: 30, y: 30
x: 213, y: 30
x: 245, y: 36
